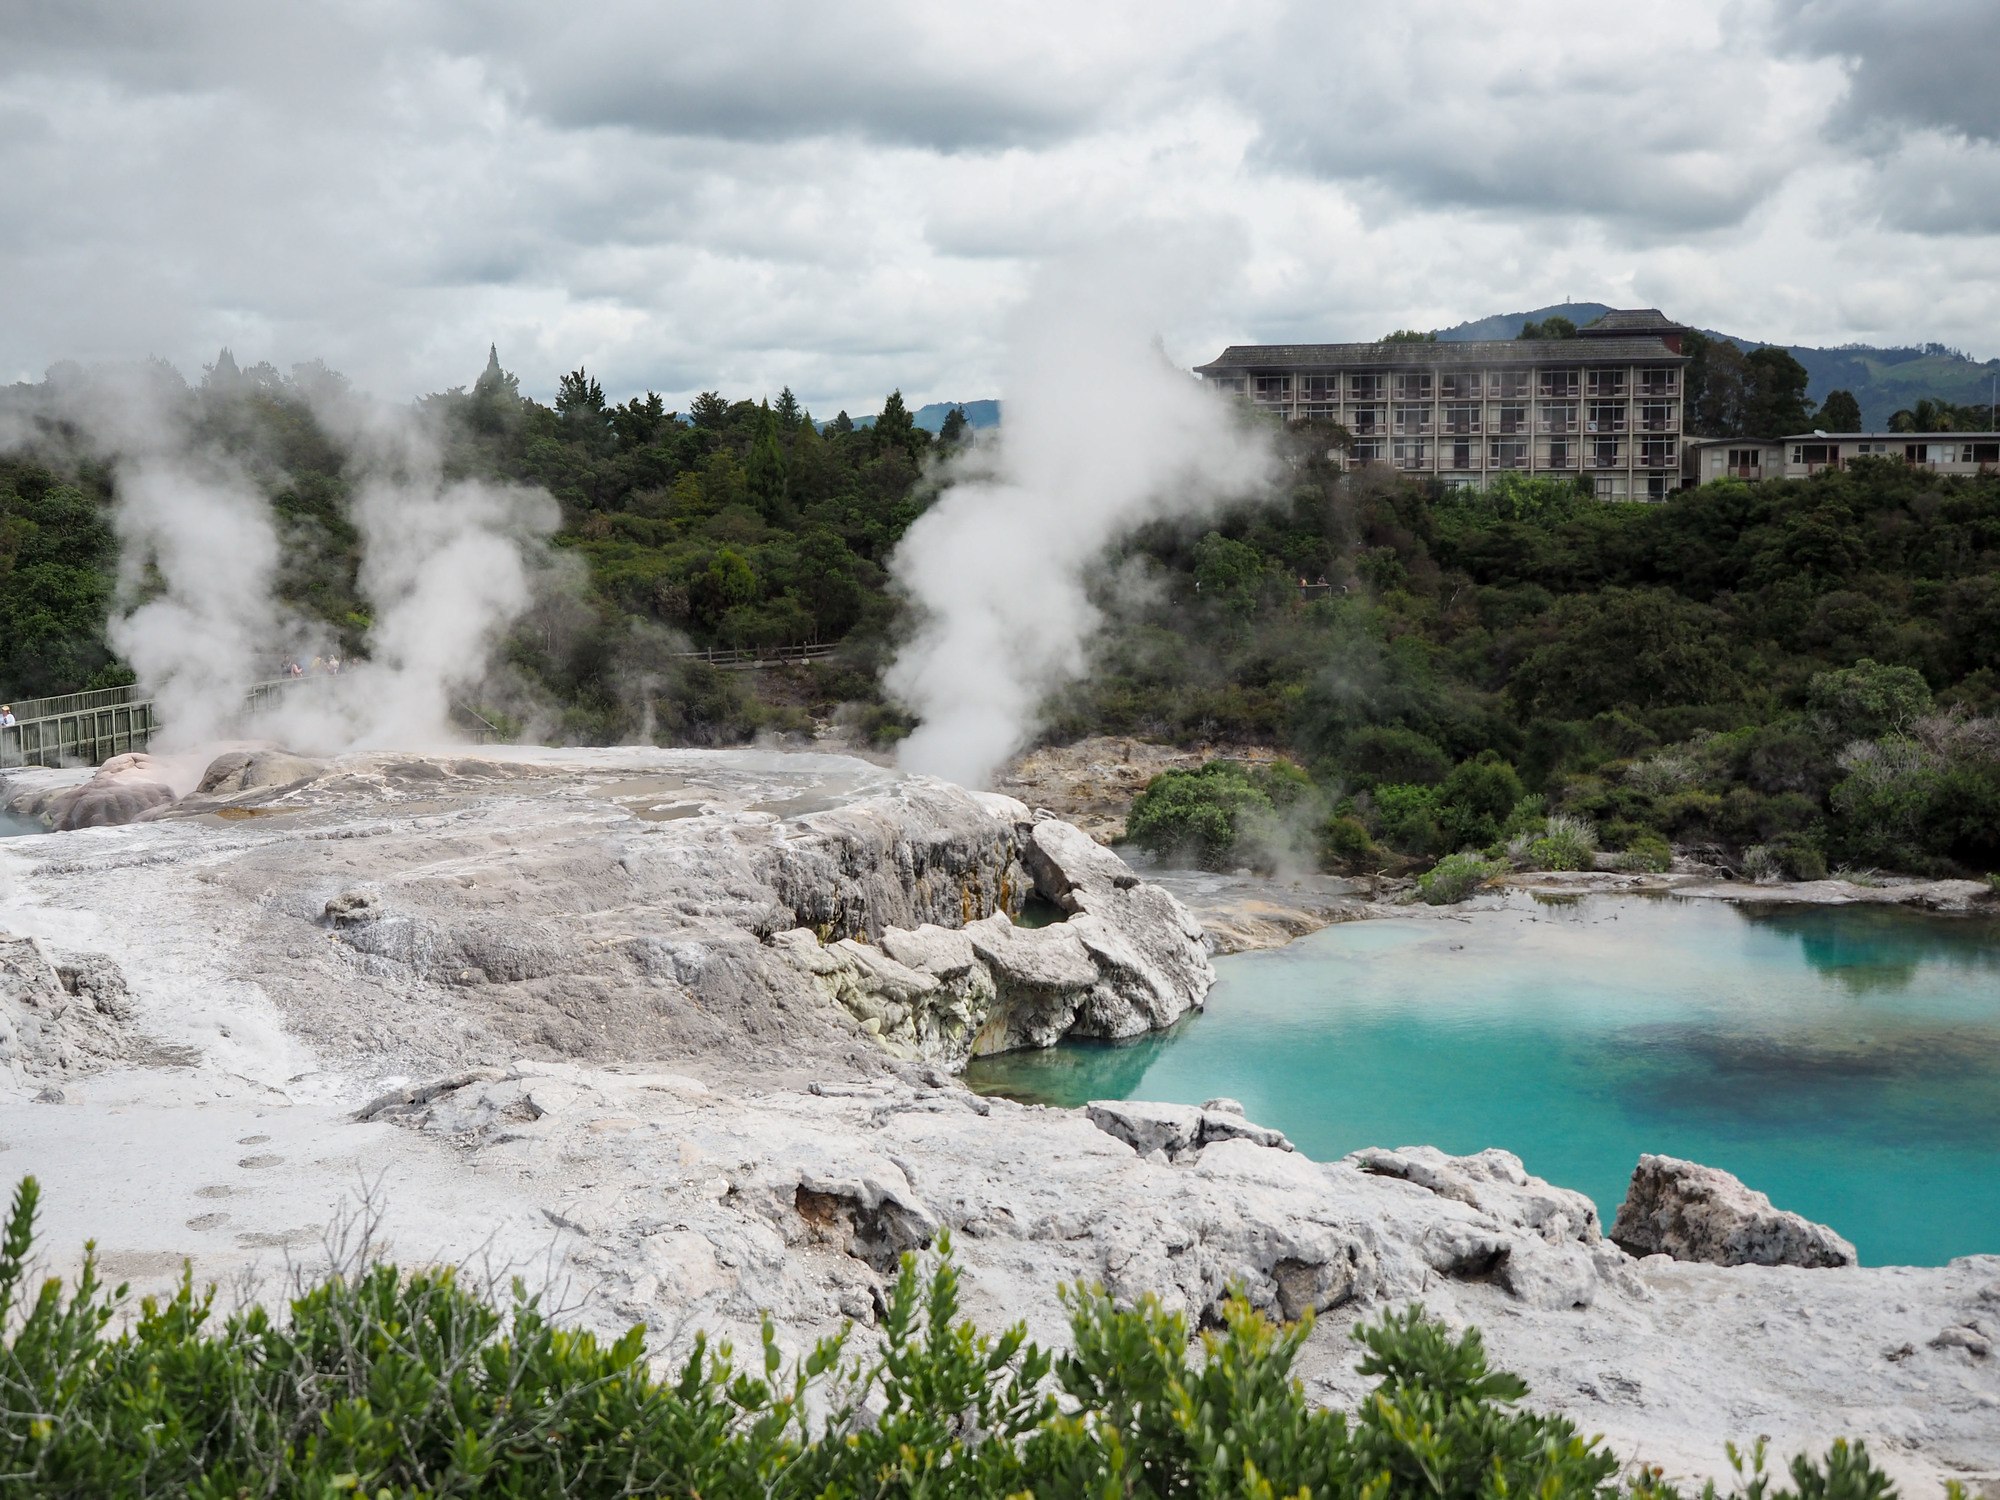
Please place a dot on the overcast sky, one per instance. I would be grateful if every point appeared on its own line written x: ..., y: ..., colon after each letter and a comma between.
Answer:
x: 851, y: 197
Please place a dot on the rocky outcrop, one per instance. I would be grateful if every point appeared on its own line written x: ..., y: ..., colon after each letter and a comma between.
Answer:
x: 1691, y: 1212
x: 59, y: 1017
x: 1178, y: 1132
x: 124, y: 789
x: 1127, y: 959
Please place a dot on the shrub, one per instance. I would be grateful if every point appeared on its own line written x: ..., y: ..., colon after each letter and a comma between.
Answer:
x: 1646, y: 852
x: 1762, y: 865
x: 1869, y: 699
x: 1406, y: 818
x: 1378, y: 755
x: 1475, y: 799
x: 379, y: 1382
x: 1455, y: 877
x: 1344, y: 842
x: 1223, y: 815
x: 1566, y: 843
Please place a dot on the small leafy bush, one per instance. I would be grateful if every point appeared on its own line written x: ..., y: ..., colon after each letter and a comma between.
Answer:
x: 1646, y: 852
x: 1566, y: 843
x: 1224, y: 814
x: 386, y: 1384
x: 1455, y: 877
x: 1344, y: 843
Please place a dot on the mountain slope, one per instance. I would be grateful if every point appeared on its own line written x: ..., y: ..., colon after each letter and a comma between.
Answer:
x: 1882, y: 380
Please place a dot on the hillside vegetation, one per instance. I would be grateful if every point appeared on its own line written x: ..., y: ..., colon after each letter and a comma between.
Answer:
x: 1796, y: 675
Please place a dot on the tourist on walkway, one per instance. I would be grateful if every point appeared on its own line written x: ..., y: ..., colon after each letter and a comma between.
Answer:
x: 7, y: 719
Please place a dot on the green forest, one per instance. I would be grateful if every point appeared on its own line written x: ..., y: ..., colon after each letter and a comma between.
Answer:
x: 1794, y: 676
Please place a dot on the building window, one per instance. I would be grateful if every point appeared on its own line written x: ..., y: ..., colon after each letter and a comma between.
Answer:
x: 1560, y: 456
x: 1659, y: 382
x: 1657, y: 416
x: 1276, y: 388
x: 1367, y: 419
x: 1816, y: 455
x: 1461, y: 455
x: 1982, y: 453
x: 1604, y: 454
x: 1658, y: 486
x: 1743, y: 460
x: 1608, y: 487
x: 1319, y: 413
x: 1507, y: 455
x: 1605, y: 416
x: 1413, y: 419
x: 1510, y: 385
x: 1230, y: 385
x: 1463, y: 386
x: 1412, y: 455
x: 1558, y: 385
x: 1461, y: 419
x: 1607, y: 382
x: 1366, y: 451
x: 1513, y: 419
x: 1656, y: 453
x: 1320, y: 387
x: 1364, y: 387
x: 1559, y: 416
x: 1413, y: 387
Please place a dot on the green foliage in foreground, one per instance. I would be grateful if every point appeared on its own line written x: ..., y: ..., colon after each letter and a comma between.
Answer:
x: 386, y: 1384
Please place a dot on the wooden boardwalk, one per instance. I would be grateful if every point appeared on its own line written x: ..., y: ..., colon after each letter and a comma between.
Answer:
x: 90, y: 728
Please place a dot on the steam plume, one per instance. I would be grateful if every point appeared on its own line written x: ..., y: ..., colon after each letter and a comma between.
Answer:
x: 197, y: 557
x: 1102, y: 435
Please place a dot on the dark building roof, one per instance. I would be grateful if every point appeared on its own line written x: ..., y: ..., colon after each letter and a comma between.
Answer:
x: 1622, y: 322
x: 1444, y: 354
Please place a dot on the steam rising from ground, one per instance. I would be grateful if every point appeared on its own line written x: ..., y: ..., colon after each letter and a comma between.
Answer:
x: 1102, y: 435
x: 197, y: 558
x: 446, y: 567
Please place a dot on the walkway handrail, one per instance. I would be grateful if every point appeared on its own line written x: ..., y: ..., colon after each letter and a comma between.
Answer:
x: 71, y: 703
x: 722, y: 656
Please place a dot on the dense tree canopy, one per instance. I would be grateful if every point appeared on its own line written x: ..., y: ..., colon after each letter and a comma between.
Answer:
x: 1384, y: 634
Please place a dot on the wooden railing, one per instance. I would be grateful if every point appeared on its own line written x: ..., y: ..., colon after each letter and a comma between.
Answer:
x: 748, y: 657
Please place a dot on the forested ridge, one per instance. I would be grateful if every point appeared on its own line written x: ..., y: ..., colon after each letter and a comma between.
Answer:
x: 1800, y: 674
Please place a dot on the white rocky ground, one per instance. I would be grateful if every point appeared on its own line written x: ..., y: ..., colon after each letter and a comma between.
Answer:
x: 666, y: 993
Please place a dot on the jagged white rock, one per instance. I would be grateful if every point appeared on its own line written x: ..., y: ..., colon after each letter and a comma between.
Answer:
x: 1691, y: 1212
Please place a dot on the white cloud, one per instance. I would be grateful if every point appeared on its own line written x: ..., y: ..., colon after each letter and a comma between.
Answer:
x: 766, y: 194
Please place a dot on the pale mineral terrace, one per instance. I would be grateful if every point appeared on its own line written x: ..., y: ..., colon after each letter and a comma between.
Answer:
x: 678, y: 1030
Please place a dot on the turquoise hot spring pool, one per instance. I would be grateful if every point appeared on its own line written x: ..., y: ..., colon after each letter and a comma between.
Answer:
x: 1845, y: 1060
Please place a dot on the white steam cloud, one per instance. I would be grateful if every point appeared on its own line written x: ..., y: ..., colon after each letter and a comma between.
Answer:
x: 197, y: 558
x: 1102, y: 435
x: 447, y: 566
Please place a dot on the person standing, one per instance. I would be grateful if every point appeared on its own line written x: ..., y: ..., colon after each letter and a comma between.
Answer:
x: 7, y: 719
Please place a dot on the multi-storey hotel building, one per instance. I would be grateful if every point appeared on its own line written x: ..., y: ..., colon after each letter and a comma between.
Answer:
x: 1605, y: 405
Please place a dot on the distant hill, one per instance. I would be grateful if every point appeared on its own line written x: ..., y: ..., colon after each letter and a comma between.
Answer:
x: 1883, y: 380
x: 931, y: 417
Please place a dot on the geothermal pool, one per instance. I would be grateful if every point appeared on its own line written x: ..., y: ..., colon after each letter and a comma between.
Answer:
x: 1845, y: 1060
x: 11, y: 826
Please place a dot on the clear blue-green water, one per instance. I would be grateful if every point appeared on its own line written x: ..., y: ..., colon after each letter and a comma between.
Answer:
x: 10, y: 826
x: 1844, y: 1060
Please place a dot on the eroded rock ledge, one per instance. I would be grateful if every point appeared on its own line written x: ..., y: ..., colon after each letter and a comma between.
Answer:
x: 607, y: 903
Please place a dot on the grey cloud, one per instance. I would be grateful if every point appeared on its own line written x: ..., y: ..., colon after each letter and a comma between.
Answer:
x: 1926, y: 66
x: 1441, y: 109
